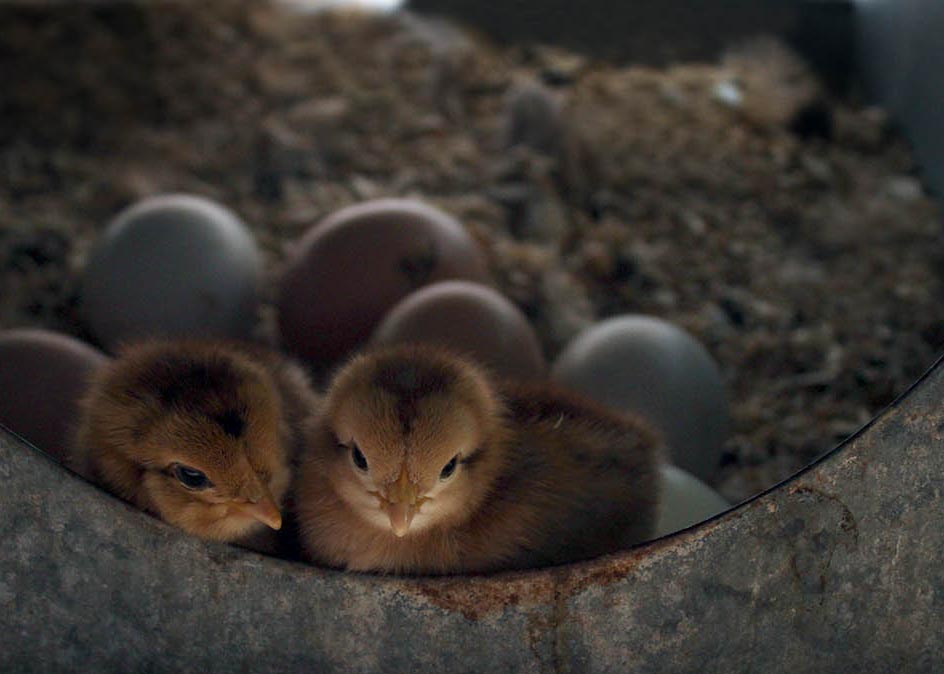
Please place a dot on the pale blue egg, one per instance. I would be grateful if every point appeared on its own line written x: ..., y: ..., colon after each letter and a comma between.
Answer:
x: 685, y: 501
x: 174, y: 265
x: 650, y: 367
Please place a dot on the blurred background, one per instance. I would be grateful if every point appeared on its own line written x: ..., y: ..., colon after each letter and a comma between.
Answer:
x: 758, y: 173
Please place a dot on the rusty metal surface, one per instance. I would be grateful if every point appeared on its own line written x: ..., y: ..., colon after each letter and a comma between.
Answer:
x: 837, y: 570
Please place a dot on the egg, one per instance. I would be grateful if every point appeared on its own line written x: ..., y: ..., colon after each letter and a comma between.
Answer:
x: 657, y: 370
x: 174, y: 265
x: 43, y: 375
x: 685, y: 501
x: 469, y: 318
x: 348, y: 270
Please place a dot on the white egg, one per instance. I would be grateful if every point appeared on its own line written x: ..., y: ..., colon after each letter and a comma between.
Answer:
x: 685, y: 501
x: 173, y: 265
x: 652, y: 368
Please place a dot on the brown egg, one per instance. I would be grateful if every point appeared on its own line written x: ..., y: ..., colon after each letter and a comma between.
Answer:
x: 42, y: 377
x: 471, y: 319
x: 350, y: 268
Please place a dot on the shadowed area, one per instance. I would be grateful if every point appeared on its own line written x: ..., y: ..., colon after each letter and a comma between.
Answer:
x: 846, y: 550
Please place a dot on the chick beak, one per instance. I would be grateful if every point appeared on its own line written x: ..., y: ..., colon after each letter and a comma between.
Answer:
x: 401, y: 516
x: 401, y: 504
x: 264, y: 510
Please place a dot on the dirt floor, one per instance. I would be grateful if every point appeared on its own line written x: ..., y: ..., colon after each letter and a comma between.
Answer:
x: 785, y: 229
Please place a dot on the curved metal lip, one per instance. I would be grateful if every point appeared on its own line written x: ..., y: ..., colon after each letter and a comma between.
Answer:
x: 575, y: 573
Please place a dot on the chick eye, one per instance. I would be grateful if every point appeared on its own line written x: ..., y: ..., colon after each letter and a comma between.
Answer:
x: 449, y: 468
x: 191, y: 477
x: 358, y: 457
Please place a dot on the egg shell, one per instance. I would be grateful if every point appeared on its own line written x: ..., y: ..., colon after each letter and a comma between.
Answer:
x: 347, y: 271
x: 469, y: 318
x: 173, y: 265
x: 43, y: 375
x: 685, y: 501
x: 657, y: 370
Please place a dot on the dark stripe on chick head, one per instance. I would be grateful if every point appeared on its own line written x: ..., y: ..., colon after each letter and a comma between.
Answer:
x: 204, y: 386
x: 183, y: 380
x: 409, y: 382
x: 473, y: 458
x: 231, y: 421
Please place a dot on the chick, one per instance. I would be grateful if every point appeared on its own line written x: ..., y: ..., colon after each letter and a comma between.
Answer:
x: 420, y: 464
x: 202, y: 434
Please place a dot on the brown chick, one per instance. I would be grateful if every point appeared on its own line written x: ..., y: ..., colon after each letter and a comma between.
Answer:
x: 202, y: 434
x: 420, y: 465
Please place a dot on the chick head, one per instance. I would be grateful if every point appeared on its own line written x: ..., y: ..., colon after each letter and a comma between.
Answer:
x: 409, y: 425
x: 203, y: 427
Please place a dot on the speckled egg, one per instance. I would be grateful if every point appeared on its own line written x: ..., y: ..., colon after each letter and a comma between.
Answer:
x: 685, y: 501
x: 471, y: 319
x: 352, y: 267
x: 173, y: 265
x: 43, y: 375
x: 651, y: 367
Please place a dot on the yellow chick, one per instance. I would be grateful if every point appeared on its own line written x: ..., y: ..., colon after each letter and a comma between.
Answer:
x: 419, y: 464
x: 202, y: 434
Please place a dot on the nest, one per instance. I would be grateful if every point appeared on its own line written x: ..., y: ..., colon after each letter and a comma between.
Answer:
x: 782, y: 227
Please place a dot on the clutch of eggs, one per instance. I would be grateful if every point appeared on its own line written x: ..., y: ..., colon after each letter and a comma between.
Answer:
x: 349, y: 269
x: 172, y: 265
x: 43, y: 375
x: 650, y: 367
